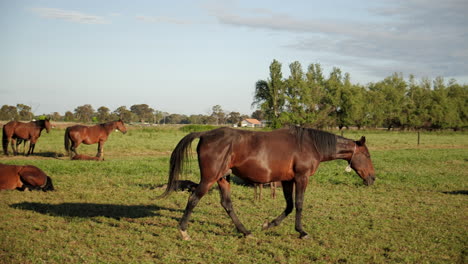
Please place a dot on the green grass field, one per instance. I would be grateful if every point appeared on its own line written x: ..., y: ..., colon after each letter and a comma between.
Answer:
x: 107, y: 212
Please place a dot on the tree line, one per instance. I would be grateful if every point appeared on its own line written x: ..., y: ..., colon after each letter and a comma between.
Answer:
x: 137, y: 113
x: 308, y: 98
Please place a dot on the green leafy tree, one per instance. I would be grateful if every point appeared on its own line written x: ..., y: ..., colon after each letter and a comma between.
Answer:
x: 69, y: 117
x: 103, y: 114
x: 269, y: 95
x: 218, y: 114
x: 84, y: 113
x: 24, y: 112
x: 295, y: 92
x: 234, y: 118
x: 8, y: 112
x: 143, y: 112
x: 126, y: 115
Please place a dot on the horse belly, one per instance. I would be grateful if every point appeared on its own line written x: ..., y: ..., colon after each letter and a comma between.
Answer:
x: 262, y: 173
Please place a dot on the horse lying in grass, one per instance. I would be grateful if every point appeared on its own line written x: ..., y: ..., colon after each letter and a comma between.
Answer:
x: 24, y: 177
x: 286, y: 155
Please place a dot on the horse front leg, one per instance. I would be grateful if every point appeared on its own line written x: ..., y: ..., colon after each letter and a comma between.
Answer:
x: 14, y: 147
x: 301, y: 185
x: 100, y: 150
x: 32, y: 145
x: 287, y: 192
x: 226, y: 202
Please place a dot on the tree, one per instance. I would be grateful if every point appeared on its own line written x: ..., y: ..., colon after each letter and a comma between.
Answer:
x: 8, y: 112
x: 84, y: 113
x: 55, y: 116
x: 269, y: 95
x: 218, y: 114
x: 234, y: 118
x: 296, y: 91
x: 69, y: 116
x: 143, y: 112
x: 24, y: 112
x: 103, y: 114
x: 123, y: 113
x: 258, y: 114
x: 390, y: 96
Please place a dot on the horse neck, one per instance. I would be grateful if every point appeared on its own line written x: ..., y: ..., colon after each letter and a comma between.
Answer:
x: 109, y: 127
x: 344, y: 150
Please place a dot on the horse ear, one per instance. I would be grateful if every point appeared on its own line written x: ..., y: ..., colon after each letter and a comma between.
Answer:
x: 362, y: 141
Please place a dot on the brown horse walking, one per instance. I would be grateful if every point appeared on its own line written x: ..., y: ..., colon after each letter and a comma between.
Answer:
x: 286, y: 155
x: 24, y: 177
x: 91, y: 135
x: 31, y: 131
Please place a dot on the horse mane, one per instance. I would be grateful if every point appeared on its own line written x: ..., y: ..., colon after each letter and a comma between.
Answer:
x: 324, y: 142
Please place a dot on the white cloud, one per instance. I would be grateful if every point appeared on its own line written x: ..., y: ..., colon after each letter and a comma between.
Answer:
x: 427, y: 36
x: 69, y: 15
x: 162, y: 19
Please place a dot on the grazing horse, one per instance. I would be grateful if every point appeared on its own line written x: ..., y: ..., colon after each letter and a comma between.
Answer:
x: 286, y: 155
x: 31, y: 131
x: 91, y: 135
x: 24, y: 177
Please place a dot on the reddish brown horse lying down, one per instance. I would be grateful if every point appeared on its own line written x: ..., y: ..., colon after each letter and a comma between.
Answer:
x: 287, y: 155
x: 86, y: 157
x: 14, y: 130
x: 24, y: 177
x: 91, y: 135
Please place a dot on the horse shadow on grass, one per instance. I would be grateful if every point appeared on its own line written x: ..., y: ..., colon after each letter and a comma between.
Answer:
x: 462, y: 192
x: 89, y: 210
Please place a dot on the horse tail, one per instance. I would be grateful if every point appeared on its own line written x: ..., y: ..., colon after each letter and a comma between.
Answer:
x: 67, y: 140
x: 180, y: 153
x: 5, y: 140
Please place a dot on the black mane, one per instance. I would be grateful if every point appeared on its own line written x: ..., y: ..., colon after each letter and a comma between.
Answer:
x: 324, y: 142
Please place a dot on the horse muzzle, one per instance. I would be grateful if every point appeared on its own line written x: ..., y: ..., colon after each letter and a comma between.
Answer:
x: 369, y: 180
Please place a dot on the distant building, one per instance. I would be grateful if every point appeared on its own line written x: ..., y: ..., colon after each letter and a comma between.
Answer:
x: 251, y: 123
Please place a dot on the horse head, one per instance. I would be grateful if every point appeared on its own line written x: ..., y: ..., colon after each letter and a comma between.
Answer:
x: 361, y: 162
x: 121, y: 126
x: 47, y: 124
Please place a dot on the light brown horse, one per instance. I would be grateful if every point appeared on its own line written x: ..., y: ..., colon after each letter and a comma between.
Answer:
x: 91, y: 135
x: 286, y: 155
x: 31, y: 131
x: 24, y: 177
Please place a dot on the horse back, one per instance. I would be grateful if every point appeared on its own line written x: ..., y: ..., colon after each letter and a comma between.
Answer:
x: 256, y: 156
x: 32, y: 175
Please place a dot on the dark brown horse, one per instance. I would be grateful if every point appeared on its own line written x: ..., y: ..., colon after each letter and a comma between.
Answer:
x: 286, y: 155
x: 91, y: 135
x: 24, y: 177
x: 31, y: 131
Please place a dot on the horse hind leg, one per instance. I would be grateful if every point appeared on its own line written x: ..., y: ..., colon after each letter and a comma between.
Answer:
x: 193, y: 200
x: 226, y: 202
x: 287, y: 192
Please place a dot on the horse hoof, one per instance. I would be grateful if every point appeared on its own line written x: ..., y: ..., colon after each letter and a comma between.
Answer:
x: 185, y: 235
x: 265, y: 226
x: 304, y: 237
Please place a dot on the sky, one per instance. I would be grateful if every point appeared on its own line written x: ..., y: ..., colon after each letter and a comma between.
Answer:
x: 187, y: 56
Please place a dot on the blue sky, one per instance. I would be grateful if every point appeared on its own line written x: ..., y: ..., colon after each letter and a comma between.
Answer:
x: 187, y: 56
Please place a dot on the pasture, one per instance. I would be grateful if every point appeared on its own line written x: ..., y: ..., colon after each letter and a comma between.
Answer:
x: 107, y: 212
